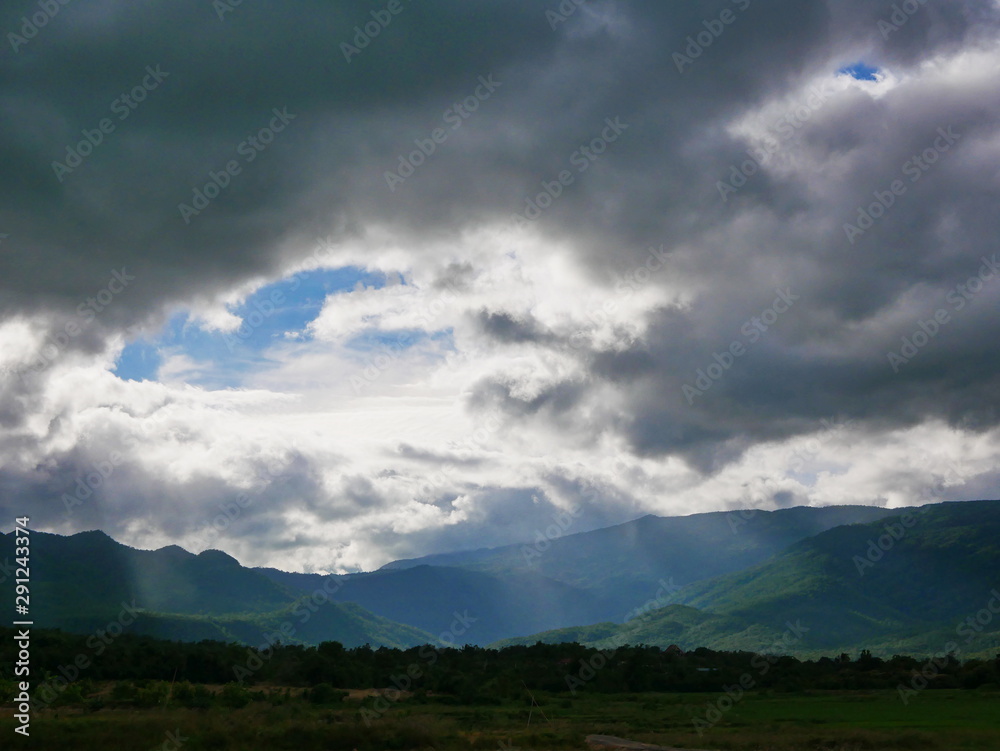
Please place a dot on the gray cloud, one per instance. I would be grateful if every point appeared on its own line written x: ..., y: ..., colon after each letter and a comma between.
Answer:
x: 655, y: 184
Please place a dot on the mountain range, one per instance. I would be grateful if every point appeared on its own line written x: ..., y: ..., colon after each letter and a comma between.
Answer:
x: 86, y: 581
x: 799, y: 580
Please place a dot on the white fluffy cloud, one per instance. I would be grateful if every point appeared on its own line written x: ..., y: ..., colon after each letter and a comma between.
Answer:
x: 502, y: 371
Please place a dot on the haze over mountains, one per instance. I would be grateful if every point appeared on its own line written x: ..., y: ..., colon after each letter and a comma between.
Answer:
x: 622, y: 566
x: 80, y: 583
x: 914, y: 583
x: 846, y: 578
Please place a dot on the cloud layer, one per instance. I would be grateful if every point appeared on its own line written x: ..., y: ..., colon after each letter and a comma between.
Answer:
x: 639, y: 257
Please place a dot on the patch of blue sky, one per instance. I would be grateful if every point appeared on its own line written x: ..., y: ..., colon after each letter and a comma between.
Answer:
x: 142, y: 359
x: 860, y: 71
x: 139, y: 361
x: 269, y: 316
x: 399, y: 340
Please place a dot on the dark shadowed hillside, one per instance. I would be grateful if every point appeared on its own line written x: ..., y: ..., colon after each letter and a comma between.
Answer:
x: 82, y: 582
x: 624, y: 566
x: 907, y: 583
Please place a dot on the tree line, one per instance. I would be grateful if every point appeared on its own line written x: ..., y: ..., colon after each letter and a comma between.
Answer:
x: 471, y: 675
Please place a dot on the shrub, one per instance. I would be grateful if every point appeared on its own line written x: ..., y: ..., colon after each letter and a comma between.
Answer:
x: 70, y: 695
x: 192, y: 697
x: 324, y: 693
x: 235, y: 696
x: 153, y: 695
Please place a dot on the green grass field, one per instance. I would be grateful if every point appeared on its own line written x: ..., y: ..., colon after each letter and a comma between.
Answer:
x: 949, y: 720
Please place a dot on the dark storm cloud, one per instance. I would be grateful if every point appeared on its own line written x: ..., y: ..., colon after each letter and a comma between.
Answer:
x: 555, y: 402
x: 93, y: 489
x: 655, y: 184
x: 506, y: 328
x: 222, y: 79
x: 351, y: 119
x: 456, y: 276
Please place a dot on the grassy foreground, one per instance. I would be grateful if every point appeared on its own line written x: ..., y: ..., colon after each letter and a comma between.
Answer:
x: 808, y: 721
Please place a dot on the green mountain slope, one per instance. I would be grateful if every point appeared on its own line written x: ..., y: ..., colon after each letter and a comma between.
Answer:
x: 936, y: 567
x: 90, y: 571
x: 898, y: 581
x: 299, y: 623
x: 624, y: 566
x: 940, y: 570
x: 431, y: 597
x: 83, y: 582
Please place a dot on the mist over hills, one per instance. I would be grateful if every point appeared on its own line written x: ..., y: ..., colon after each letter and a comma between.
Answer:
x: 851, y: 577
x: 907, y: 583
x: 82, y: 582
x: 624, y: 566
x: 429, y: 597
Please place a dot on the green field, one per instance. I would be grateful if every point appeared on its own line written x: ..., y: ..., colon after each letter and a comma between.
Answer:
x: 765, y: 721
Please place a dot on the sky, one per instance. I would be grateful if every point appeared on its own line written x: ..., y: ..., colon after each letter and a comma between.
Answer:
x: 329, y: 284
